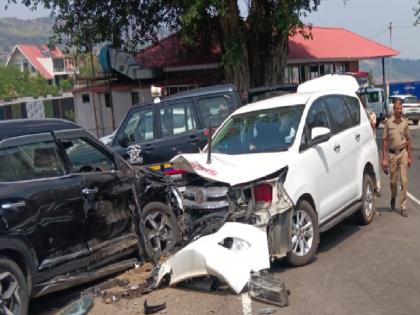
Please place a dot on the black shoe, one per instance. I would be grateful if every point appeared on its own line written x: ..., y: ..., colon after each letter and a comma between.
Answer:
x: 393, y: 203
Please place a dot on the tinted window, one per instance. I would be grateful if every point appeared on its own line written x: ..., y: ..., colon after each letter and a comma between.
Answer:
x: 353, y: 107
x: 139, y: 126
x: 36, y: 160
x: 266, y: 130
x: 6, y: 171
x: 317, y: 116
x: 213, y: 110
x: 339, y: 112
x: 177, y: 119
x: 84, y: 157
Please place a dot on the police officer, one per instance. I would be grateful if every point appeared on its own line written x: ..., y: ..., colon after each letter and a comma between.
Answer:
x: 397, y: 154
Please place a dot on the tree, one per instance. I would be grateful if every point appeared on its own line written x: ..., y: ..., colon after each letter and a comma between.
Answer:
x: 14, y: 83
x: 254, y: 49
x: 417, y: 13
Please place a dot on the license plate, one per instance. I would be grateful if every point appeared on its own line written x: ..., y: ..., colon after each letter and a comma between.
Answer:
x: 176, y: 176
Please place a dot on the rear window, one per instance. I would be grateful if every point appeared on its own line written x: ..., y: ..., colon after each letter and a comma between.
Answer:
x: 266, y: 130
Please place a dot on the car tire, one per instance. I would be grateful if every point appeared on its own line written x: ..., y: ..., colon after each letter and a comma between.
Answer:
x: 304, y: 234
x: 13, y: 288
x: 365, y: 215
x: 161, y: 229
x: 415, y: 121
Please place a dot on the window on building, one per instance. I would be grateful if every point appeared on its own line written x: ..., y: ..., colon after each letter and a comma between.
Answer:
x: 85, y: 98
x: 107, y: 100
x: 135, y: 98
x: 58, y: 65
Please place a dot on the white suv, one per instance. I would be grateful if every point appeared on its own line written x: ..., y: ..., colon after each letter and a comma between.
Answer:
x: 293, y: 165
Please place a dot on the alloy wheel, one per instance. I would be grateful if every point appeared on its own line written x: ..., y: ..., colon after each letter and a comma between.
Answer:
x: 368, y: 202
x: 10, y: 299
x: 159, y: 231
x: 302, y: 233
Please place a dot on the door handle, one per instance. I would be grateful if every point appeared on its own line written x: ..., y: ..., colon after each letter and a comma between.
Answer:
x: 90, y: 191
x: 15, y: 205
x: 357, y: 137
x: 337, y: 148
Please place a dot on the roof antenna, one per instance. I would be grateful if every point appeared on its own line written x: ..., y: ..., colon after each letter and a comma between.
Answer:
x: 209, y: 136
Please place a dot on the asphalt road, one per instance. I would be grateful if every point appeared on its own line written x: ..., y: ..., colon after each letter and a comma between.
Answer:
x: 372, y: 269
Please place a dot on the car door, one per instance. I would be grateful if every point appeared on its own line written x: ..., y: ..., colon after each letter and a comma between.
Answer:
x: 107, y: 197
x: 41, y: 204
x: 321, y: 161
x: 140, y: 129
x: 178, y: 129
x: 346, y: 147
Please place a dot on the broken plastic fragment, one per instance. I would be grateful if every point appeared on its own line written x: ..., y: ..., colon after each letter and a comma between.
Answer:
x: 151, y: 309
x: 80, y: 307
x: 267, y: 288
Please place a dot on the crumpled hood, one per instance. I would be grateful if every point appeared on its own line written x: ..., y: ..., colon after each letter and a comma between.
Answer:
x: 232, y: 169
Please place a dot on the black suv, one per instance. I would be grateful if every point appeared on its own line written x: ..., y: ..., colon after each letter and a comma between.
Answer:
x: 72, y: 210
x: 175, y: 125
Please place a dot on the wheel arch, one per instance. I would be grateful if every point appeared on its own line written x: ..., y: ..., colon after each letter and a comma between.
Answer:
x: 18, y: 252
x: 307, y: 197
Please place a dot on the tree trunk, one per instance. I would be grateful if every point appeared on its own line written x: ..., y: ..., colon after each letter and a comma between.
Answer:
x: 267, y: 51
x: 233, y: 43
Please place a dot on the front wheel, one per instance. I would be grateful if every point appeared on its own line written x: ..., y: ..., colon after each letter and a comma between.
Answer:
x: 305, y: 234
x: 365, y: 215
x: 161, y: 228
x: 14, y: 295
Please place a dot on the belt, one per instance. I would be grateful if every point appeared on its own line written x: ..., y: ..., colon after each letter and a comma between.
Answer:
x: 396, y: 151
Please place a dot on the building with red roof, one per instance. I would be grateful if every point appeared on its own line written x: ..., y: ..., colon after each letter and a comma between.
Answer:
x: 51, y: 64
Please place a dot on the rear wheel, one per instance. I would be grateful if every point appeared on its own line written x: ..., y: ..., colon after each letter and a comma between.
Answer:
x: 305, y: 234
x: 415, y: 121
x: 365, y: 215
x: 14, y: 295
x: 161, y: 228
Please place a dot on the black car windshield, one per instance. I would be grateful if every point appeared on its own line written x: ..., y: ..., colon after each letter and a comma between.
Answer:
x: 267, y: 130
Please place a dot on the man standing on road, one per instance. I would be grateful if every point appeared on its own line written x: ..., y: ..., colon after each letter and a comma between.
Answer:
x: 397, y: 154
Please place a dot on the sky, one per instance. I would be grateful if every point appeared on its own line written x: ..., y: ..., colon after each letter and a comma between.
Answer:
x: 369, y: 18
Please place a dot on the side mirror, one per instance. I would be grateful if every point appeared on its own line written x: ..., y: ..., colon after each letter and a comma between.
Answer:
x: 124, y: 141
x: 320, y: 134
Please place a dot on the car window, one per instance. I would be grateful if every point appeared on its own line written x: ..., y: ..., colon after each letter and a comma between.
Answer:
x: 353, y: 107
x: 139, y: 126
x: 84, y: 157
x: 6, y: 171
x: 339, y: 112
x: 177, y: 119
x: 214, y: 110
x: 317, y: 117
x: 36, y: 160
x: 265, y: 130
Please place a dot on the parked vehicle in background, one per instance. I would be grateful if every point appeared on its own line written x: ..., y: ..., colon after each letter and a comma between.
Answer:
x: 293, y: 165
x: 411, y: 107
x: 175, y: 125
x: 403, y: 88
x: 374, y: 99
x: 72, y: 211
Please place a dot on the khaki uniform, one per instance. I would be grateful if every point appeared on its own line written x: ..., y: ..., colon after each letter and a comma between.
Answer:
x: 398, y: 156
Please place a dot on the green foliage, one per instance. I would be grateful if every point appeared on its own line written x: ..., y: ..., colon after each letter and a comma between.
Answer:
x: 66, y: 85
x: 85, y: 65
x: 70, y: 115
x: 14, y: 83
x: 417, y: 13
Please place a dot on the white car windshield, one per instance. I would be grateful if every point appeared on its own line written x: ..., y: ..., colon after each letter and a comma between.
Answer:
x: 266, y: 130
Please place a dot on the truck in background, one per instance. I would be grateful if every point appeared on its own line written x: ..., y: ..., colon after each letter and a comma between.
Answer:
x: 403, y: 88
x: 374, y: 99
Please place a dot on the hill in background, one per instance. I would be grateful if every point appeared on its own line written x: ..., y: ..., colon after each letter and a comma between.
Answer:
x: 15, y: 31
x: 401, y: 69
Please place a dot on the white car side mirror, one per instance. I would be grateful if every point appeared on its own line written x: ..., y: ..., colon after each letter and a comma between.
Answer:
x: 318, y: 133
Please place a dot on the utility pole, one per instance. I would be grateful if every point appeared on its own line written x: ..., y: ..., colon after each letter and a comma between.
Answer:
x: 390, y: 45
